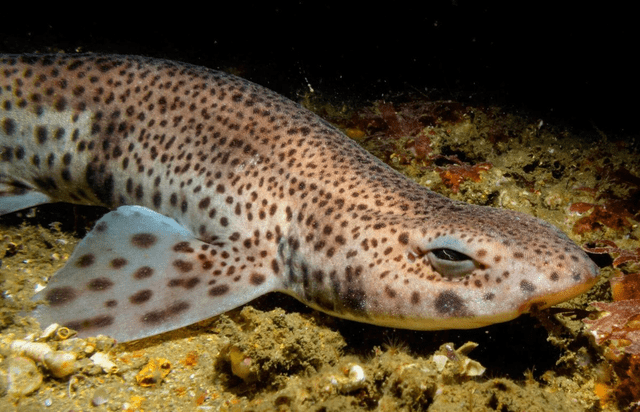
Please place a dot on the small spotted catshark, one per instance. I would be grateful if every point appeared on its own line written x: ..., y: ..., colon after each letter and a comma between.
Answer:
x: 225, y: 191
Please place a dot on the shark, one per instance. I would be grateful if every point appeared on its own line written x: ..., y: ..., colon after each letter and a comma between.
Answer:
x: 222, y: 191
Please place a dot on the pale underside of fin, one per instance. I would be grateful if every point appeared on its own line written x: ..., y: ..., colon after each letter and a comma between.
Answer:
x: 139, y: 273
x: 14, y: 198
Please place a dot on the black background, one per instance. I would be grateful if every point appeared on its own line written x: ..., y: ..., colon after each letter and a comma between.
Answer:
x: 570, y: 65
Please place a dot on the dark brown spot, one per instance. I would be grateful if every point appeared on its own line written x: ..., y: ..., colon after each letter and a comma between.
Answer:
x: 257, y: 279
x: 99, y: 284
x: 218, y: 290
x: 140, y: 297
x: 159, y: 316
x: 157, y: 199
x: 60, y: 296
x: 98, y: 322
x: 177, y: 308
x: 415, y: 298
x: 143, y: 273
x: 451, y: 304
x: 191, y: 283
x: 390, y: 292
x: 41, y: 134
x: 183, y: 266
x: 527, y: 287
x: 101, y: 227
x: 204, y: 203
x: 118, y: 263
x: 85, y: 261
x: 403, y: 238
x: 318, y: 276
x: 9, y: 126
x: 143, y: 240
x: 183, y: 247
x: 60, y: 104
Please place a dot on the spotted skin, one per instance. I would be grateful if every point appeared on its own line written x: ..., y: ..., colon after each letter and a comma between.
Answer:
x: 270, y: 196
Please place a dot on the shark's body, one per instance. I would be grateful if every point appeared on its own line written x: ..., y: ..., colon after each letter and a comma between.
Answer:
x: 267, y: 197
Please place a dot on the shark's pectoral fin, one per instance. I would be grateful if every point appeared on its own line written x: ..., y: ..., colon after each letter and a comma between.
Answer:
x: 139, y: 273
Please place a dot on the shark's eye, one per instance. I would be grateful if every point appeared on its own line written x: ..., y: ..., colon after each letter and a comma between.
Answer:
x: 450, y: 263
x: 450, y: 255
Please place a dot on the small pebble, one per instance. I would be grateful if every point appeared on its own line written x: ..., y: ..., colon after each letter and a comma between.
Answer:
x: 20, y: 376
x: 100, y: 396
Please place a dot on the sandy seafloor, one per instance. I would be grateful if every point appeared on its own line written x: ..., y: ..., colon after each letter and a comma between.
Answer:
x: 277, y: 354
